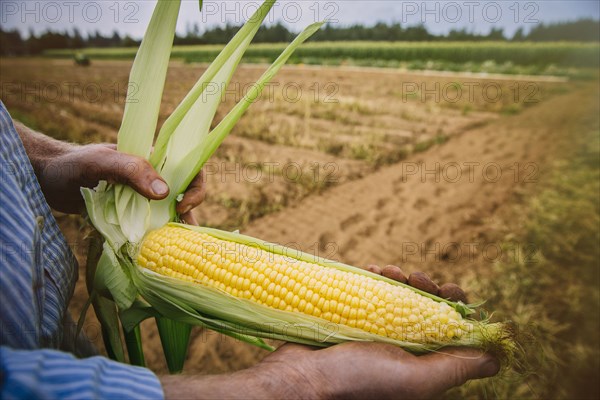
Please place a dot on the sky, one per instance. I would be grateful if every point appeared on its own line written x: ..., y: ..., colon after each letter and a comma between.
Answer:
x: 131, y: 17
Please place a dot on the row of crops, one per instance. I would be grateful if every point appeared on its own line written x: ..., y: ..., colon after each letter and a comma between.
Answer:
x: 566, y: 54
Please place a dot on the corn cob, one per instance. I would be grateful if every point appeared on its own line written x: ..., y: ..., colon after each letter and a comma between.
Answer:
x: 280, y: 282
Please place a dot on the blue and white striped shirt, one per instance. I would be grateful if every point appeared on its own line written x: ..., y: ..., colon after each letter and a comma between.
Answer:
x: 37, y: 278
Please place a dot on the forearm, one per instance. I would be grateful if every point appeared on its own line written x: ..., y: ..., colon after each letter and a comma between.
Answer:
x: 258, y: 382
x: 40, y: 148
x: 238, y: 385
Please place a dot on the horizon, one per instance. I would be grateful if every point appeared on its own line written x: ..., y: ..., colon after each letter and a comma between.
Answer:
x: 129, y: 18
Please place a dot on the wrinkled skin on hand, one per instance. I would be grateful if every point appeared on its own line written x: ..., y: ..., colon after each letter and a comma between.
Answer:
x: 377, y: 370
x: 84, y: 166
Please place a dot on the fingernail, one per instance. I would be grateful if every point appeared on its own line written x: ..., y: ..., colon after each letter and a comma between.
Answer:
x: 159, y: 187
x: 491, y: 366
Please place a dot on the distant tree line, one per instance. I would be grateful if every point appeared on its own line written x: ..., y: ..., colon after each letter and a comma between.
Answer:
x: 12, y: 43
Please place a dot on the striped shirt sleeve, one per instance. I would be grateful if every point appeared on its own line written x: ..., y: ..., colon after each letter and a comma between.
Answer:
x: 51, y: 374
x: 37, y: 277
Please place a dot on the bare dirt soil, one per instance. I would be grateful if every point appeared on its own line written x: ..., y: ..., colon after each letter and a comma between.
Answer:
x: 403, y: 177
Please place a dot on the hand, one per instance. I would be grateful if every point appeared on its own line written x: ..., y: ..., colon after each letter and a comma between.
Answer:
x: 376, y: 370
x: 349, y: 370
x: 85, y: 166
x: 420, y: 280
x: 62, y: 168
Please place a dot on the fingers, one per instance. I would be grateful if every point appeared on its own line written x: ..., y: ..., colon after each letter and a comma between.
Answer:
x: 193, y: 196
x: 189, y: 218
x: 454, y: 366
x: 422, y: 281
x: 452, y: 292
x: 395, y: 273
x: 373, y: 268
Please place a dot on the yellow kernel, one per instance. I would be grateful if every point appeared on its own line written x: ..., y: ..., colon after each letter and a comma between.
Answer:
x: 345, y: 312
x: 291, y: 284
x: 322, y: 290
x: 315, y: 298
x: 353, y: 314
x: 289, y: 297
x: 320, y: 303
x: 309, y: 308
x: 336, y: 293
x: 273, y: 275
x: 302, y: 292
x: 276, y: 302
x: 246, y: 284
x: 302, y: 305
x: 295, y: 301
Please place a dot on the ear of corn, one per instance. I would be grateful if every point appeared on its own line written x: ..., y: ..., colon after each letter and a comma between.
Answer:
x: 270, y: 291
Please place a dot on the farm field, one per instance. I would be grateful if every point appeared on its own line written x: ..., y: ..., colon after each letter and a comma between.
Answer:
x: 457, y: 175
x: 550, y: 58
x: 316, y: 128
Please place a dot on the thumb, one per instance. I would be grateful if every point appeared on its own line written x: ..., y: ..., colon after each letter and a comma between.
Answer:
x: 454, y: 366
x: 133, y: 171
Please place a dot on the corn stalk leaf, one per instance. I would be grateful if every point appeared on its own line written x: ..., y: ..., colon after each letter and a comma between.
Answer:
x: 135, y: 350
x: 107, y: 315
x: 174, y: 336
